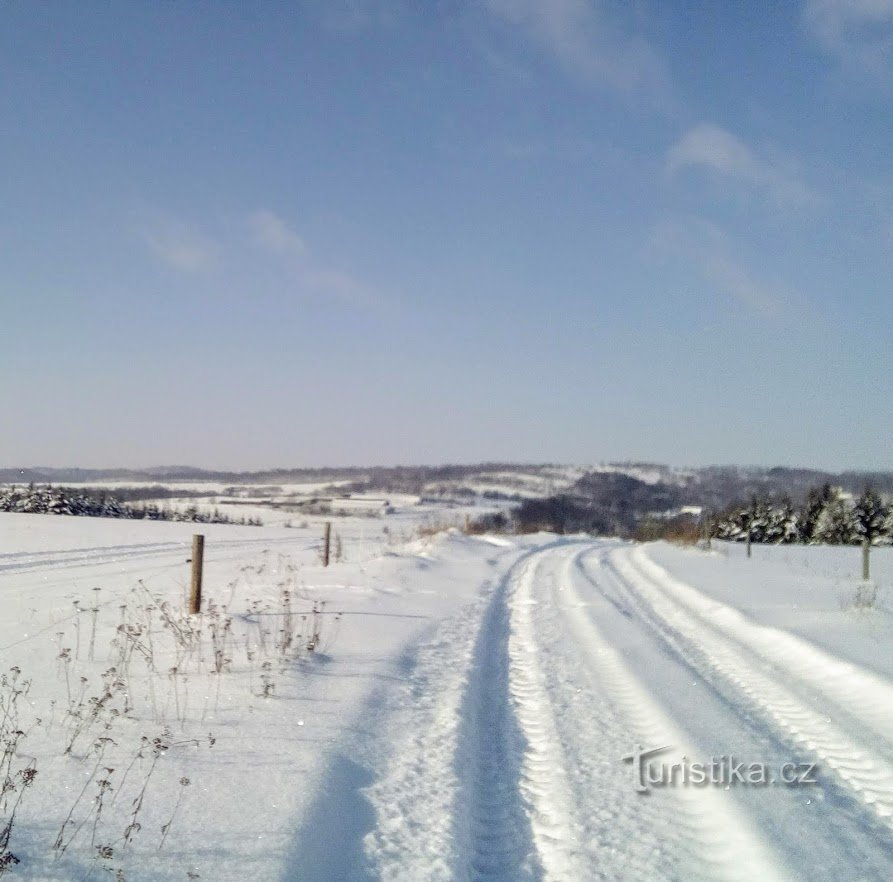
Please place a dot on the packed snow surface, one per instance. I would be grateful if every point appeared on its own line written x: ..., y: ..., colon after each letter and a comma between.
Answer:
x: 434, y: 706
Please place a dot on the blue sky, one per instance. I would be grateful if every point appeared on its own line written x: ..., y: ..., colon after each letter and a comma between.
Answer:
x: 243, y: 234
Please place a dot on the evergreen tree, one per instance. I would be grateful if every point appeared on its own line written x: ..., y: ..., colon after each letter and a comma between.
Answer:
x: 870, y: 515
x: 816, y: 502
x: 836, y: 523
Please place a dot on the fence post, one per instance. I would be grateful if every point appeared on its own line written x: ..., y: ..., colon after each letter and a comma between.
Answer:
x: 198, y: 554
x: 327, y: 539
x: 749, y: 535
x: 866, y: 550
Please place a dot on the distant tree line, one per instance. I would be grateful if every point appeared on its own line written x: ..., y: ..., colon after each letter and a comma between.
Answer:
x: 603, y: 503
x: 571, y: 514
x: 618, y: 505
x: 827, y: 517
x: 60, y: 501
x: 561, y: 514
x: 139, y: 494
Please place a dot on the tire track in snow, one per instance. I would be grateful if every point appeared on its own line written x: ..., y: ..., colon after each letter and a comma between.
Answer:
x: 865, y: 697
x: 515, y: 802
x: 544, y: 784
x: 476, y: 790
x: 585, y: 819
x: 677, y: 833
x: 508, y: 765
x: 859, y: 765
x: 496, y: 830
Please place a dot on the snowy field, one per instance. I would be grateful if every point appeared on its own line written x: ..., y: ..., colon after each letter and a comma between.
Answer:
x: 434, y: 706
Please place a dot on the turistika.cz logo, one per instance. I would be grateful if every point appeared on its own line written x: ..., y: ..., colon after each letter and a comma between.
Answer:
x: 723, y: 771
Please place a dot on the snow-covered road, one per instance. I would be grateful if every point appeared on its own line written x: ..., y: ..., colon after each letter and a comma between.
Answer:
x: 581, y: 653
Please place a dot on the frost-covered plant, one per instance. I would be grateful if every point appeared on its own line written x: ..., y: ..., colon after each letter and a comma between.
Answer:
x: 15, y: 778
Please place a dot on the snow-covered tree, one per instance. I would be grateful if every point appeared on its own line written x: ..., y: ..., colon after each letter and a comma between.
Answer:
x: 818, y: 498
x: 764, y: 520
x: 836, y: 523
x: 58, y: 501
x: 870, y: 516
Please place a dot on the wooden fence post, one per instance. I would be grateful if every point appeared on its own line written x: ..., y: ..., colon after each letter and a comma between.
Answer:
x: 327, y: 539
x: 866, y: 550
x: 198, y: 554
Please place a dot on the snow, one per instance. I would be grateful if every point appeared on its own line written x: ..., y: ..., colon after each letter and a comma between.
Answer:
x: 463, y: 715
x: 645, y: 473
x: 808, y: 591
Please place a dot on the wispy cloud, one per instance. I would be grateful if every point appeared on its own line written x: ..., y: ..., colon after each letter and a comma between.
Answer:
x: 271, y: 234
x: 182, y: 246
x: 593, y: 46
x: 708, y: 249
x: 259, y: 244
x: 859, y: 33
x: 711, y: 147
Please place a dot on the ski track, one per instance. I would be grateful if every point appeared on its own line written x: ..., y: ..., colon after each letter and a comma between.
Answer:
x: 34, y: 562
x: 800, y: 705
x: 19, y: 562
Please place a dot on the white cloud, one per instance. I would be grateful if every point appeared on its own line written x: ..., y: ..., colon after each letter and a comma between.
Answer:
x: 858, y: 32
x: 259, y: 245
x: 711, y: 147
x: 700, y: 244
x: 273, y: 234
x: 590, y: 46
x: 182, y: 247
